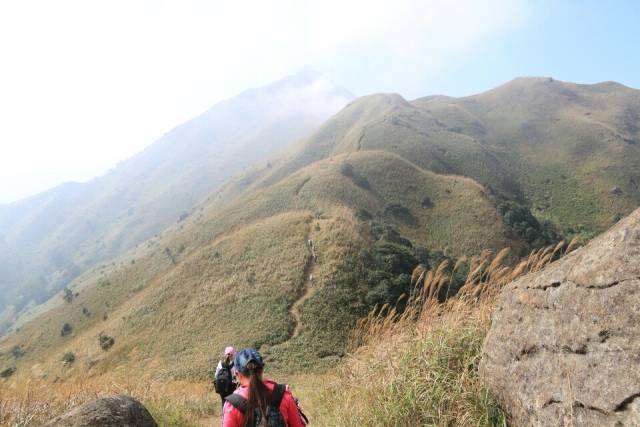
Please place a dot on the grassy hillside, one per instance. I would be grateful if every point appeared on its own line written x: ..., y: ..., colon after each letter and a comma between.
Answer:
x: 232, y: 274
x: 567, y: 153
x: 388, y: 122
x: 49, y: 239
x: 382, y: 186
x: 572, y: 149
x: 419, y: 367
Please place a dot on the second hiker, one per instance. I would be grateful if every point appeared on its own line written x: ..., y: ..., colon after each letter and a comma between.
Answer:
x: 225, y: 376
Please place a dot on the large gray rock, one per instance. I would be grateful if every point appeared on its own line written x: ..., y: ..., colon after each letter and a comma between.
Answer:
x: 564, y: 345
x: 118, y: 411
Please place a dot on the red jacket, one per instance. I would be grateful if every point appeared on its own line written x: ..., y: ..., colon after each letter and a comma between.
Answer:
x: 232, y: 417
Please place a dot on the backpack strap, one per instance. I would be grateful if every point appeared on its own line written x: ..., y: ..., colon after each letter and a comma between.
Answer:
x: 238, y: 402
x: 277, y: 394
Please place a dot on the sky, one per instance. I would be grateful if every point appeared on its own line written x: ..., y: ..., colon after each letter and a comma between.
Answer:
x: 85, y: 84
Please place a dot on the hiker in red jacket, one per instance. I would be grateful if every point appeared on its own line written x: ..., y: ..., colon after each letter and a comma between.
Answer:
x: 258, y: 402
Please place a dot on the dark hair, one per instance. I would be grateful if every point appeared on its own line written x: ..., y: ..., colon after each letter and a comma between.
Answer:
x: 259, y: 396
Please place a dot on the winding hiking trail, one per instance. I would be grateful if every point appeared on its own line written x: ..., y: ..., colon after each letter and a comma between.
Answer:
x: 307, y: 292
x: 308, y: 289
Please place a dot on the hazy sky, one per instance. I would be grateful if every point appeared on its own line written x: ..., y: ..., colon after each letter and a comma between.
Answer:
x: 85, y: 84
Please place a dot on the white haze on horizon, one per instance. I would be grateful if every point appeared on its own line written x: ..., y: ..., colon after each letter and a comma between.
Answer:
x: 85, y: 84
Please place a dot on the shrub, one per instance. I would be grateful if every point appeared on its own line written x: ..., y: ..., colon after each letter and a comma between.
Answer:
x: 361, y: 181
x: 169, y: 254
x: 67, y: 295
x: 521, y: 223
x: 426, y: 202
x: 106, y: 342
x: 66, y: 330
x: 363, y: 215
x: 17, y: 351
x: 68, y: 358
x: 398, y: 210
x: 346, y: 169
x: 6, y: 373
x: 383, y: 267
x: 86, y: 311
x: 390, y: 234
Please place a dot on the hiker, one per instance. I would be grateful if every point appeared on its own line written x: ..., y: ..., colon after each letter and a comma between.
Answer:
x: 224, y: 379
x: 257, y: 401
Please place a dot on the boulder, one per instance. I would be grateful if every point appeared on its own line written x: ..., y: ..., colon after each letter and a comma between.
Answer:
x: 117, y: 411
x: 564, y: 344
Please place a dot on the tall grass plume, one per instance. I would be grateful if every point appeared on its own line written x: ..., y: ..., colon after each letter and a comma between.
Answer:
x: 419, y: 365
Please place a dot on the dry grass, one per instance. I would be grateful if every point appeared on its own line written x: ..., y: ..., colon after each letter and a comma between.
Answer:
x: 179, y: 404
x: 419, y: 367
x: 415, y: 367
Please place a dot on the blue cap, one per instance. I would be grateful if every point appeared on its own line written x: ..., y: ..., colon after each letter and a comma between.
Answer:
x: 243, y: 357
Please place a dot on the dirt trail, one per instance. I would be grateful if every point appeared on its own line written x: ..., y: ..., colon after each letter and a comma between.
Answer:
x: 308, y: 290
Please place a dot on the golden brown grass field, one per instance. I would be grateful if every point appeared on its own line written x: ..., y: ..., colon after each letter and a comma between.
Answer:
x: 415, y: 367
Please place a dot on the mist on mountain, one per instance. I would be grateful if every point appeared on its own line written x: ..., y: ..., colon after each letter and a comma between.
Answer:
x: 49, y: 239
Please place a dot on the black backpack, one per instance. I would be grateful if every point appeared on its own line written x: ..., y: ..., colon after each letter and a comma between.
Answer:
x: 274, y: 417
x: 223, y: 382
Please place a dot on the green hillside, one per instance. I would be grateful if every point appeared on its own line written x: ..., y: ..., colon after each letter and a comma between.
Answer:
x: 49, y: 239
x: 567, y: 152
x: 572, y: 149
x: 381, y: 186
x: 233, y: 274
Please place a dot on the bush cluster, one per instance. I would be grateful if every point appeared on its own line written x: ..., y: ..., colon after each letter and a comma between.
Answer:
x: 68, y: 358
x: 106, y: 342
x: 361, y: 181
x: 397, y: 209
x: 7, y: 372
x: 521, y: 223
x: 66, y: 330
x: 67, y: 294
x: 385, y: 267
x: 17, y: 351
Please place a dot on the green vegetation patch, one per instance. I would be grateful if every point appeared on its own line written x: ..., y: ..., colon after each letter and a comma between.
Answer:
x: 418, y: 379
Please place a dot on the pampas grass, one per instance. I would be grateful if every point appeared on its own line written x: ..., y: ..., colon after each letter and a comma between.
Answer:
x: 420, y: 366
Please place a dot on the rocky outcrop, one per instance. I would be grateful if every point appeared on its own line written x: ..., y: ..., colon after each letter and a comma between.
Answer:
x: 118, y: 411
x: 564, y: 345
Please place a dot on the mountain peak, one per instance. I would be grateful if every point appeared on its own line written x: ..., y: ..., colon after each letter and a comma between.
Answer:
x: 308, y: 78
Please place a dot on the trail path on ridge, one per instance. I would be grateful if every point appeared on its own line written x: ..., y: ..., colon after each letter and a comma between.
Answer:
x: 309, y: 289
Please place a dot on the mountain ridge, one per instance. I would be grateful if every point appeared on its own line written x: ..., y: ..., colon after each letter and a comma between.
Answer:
x: 382, y: 185
x: 85, y: 223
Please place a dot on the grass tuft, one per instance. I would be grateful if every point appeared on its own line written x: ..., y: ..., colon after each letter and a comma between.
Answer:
x: 420, y: 366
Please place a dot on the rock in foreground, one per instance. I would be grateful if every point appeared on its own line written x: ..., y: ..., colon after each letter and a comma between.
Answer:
x: 564, y: 345
x: 118, y: 411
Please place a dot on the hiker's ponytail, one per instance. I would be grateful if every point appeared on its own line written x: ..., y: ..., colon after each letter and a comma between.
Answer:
x: 259, y: 396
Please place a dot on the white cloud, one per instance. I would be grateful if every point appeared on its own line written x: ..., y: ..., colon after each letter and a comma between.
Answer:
x: 85, y: 83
